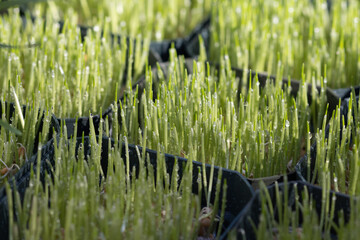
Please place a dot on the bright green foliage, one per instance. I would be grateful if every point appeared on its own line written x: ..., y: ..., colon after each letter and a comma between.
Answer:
x: 16, y: 149
x: 204, y: 117
x: 155, y: 19
x: 122, y: 206
x: 337, y: 157
x: 286, y: 219
x: 66, y: 74
x: 257, y: 34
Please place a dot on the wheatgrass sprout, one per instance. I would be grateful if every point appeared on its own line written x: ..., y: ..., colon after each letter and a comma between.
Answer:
x: 157, y: 19
x: 350, y: 230
x: 204, y: 117
x: 72, y: 76
x: 121, y: 206
x: 295, y: 215
x: 16, y: 149
x: 257, y: 34
x: 337, y: 151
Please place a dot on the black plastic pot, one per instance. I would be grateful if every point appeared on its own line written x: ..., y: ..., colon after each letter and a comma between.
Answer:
x: 83, y: 124
x: 188, y: 46
x: 333, y: 96
x: 238, y: 194
x: 22, y: 180
x: 159, y: 50
x: 271, y: 180
x: 239, y: 73
x: 10, y: 111
x: 302, y: 169
x: 252, y: 212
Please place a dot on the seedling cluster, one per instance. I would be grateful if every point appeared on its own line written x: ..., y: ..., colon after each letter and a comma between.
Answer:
x: 200, y: 109
x: 205, y: 116
x: 322, y: 35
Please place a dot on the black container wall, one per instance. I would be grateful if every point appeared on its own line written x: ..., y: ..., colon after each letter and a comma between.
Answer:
x: 21, y: 180
x: 189, y: 46
x: 159, y: 52
x: 238, y: 194
x: 305, y: 169
x: 10, y: 111
x: 252, y: 212
x: 332, y: 98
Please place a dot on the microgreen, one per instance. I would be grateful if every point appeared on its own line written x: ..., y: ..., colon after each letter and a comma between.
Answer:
x: 7, y: 126
x: 151, y: 204
x: 256, y: 33
x: 14, y: 3
x: 293, y: 214
x: 157, y: 19
x: 69, y: 75
x: 17, y: 145
x: 337, y: 154
x: 205, y: 117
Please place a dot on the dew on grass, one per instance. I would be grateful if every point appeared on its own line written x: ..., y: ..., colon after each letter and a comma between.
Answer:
x: 287, y: 123
x: 343, y: 5
x: 61, y: 70
x: 86, y: 95
x: 324, y: 6
x: 275, y: 20
x: 334, y: 34
x: 158, y: 35
x: 96, y: 28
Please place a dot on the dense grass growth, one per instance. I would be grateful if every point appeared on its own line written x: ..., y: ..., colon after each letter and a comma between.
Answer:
x: 258, y: 34
x: 74, y: 204
x: 206, y: 117
x: 16, y: 147
x: 284, y: 218
x: 337, y: 156
x: 155, y: 19
x: 66, y: 74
